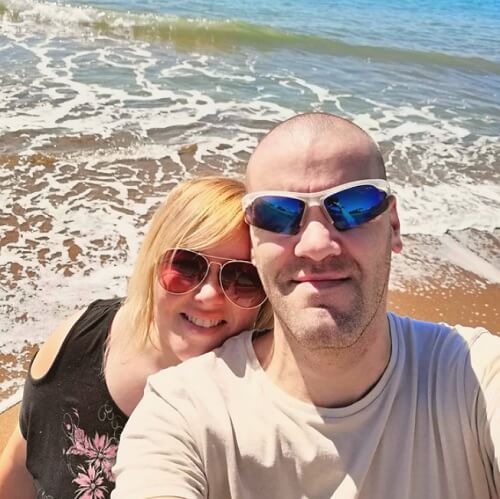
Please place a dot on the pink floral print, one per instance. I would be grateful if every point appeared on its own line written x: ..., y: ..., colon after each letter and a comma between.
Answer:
x: 91, y: 483
x: 95, y: 457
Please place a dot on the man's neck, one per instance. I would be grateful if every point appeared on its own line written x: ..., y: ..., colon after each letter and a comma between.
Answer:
x: 326, y: 377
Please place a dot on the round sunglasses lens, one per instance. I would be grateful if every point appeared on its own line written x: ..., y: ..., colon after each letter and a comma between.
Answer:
x: 181, y: 271
x: 241, y: 284
x: 276, y: 214
x: 355, y: 206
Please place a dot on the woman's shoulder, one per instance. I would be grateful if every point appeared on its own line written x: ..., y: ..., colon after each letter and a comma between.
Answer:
x: 49, y: 351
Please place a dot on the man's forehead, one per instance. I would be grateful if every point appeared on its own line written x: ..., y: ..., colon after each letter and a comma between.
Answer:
x: 291, y: 158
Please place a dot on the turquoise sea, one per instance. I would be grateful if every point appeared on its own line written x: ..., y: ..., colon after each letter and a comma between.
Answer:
x: 104, y: 105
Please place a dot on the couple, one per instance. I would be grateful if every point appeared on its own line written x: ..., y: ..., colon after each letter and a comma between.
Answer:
x: 337, y: 399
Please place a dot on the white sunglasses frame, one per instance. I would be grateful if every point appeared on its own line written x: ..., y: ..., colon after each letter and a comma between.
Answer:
x: 316, y: 198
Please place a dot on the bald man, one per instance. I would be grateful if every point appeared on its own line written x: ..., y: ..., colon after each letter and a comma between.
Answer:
x: 341, y: 399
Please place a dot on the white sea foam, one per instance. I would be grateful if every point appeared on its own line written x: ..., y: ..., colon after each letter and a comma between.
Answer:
x: 56, y: 15
x: 440, y: 208
x: 460, y: 256
x: 52, y: 298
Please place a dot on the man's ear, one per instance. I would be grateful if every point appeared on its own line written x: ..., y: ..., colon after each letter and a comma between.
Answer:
x: 396, y: 242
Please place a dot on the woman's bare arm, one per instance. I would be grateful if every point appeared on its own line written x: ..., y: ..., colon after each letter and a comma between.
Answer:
x: 16, y: 481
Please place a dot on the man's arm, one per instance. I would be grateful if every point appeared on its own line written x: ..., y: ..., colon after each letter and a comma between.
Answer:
x: 158, y: 457
x: 485, y: 360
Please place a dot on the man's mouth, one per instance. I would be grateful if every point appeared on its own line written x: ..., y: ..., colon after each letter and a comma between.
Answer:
x: 203, y: 322
x: 318, y: 278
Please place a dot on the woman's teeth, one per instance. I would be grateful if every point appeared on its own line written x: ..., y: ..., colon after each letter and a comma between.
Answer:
x: 202, y: 323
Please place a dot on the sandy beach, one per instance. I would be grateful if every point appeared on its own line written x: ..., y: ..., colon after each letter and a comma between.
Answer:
x: 8, y: 421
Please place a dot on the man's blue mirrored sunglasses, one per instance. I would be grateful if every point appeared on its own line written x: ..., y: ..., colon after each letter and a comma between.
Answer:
x: 347, y: 206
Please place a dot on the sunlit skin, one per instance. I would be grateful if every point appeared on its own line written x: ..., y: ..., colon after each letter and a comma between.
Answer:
x: 174, y: 313
x: 328, y: 288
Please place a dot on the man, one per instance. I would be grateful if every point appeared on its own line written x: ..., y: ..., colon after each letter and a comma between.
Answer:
x: 341, y: 399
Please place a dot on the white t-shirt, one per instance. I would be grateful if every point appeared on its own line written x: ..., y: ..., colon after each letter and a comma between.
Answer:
x: 217, y: 427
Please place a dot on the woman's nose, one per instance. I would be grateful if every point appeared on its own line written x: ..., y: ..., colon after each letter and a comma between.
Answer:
x: 210, y: 289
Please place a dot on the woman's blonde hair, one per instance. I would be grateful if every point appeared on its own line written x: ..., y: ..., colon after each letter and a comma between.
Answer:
x: 197, y: 214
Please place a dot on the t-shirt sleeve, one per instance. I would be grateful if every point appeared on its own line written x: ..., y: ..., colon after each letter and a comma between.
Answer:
x: 157, y: 455
x: 485, y: 359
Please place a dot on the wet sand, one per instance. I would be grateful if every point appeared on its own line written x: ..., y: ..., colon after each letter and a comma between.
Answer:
x: 452, y: 306
x: 8, y: 421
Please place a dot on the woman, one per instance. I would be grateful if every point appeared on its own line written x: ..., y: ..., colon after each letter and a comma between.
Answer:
x: 192, y: 287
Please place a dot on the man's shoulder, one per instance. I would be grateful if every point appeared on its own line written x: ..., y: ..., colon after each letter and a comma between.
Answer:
x: 438, y: 331
x: 474, y: 345
x: 226, y: 361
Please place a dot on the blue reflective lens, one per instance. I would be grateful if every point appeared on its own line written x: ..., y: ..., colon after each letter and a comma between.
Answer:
x: 355, y: 206
x: 276, y: 214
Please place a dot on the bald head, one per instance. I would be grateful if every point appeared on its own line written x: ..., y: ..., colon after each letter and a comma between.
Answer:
x: 312, y: 146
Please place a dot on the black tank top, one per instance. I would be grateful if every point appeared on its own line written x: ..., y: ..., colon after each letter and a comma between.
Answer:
x: 69, y: 420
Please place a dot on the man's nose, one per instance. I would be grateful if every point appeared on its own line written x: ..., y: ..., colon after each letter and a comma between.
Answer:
x: 318, y: 238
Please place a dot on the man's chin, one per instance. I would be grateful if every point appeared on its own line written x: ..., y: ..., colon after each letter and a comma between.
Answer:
x: 327, y: 334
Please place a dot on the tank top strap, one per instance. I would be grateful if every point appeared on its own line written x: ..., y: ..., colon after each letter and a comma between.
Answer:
x: 87, y: 338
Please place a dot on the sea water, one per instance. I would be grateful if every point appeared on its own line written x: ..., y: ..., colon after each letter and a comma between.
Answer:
x: 105, y: 105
